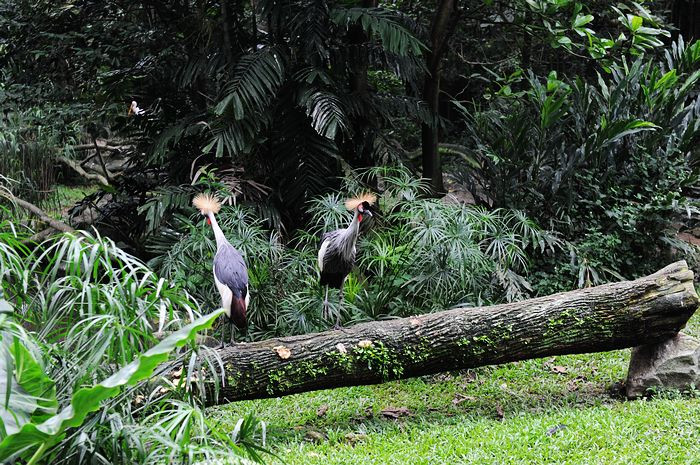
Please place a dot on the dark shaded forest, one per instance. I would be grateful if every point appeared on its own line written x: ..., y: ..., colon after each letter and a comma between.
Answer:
x: 517, y: 149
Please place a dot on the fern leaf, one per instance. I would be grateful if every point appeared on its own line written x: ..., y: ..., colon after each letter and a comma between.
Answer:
x: 256, y: 80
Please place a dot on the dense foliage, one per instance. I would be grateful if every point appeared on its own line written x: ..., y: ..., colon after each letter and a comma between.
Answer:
x: 72, y: 312
x: 608, y: 164
x: 417, y: 255
x: 281, y: 90
x: 572, y: 126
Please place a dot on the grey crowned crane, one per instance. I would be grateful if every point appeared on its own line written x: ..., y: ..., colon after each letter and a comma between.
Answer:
x: 230, y: 271
x: 336, y: 256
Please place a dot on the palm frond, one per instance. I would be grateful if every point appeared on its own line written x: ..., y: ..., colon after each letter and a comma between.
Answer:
x: 326, y: 113
x: 256, y: 80
x: 382, y: 24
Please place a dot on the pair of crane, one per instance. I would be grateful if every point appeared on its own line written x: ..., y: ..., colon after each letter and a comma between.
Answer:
x: 336, y: 255
x: 336, y: 258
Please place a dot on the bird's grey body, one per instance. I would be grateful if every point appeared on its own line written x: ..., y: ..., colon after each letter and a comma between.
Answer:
x: 336, y: 257
x: 231, y: 279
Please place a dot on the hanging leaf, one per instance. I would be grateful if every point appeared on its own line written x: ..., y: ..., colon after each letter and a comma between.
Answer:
x: 383, y: 24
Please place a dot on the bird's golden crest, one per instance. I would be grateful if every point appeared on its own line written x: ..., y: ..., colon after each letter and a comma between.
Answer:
x: 351, y: 204
x: 206, y: 203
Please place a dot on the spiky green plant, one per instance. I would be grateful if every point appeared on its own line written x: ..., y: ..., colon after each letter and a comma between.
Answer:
x: 72, y: 311
x: 419, y: 255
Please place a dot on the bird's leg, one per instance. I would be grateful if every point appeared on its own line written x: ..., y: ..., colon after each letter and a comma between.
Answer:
x: 232, y: 333
x: 341, y: 295
x: 223, y: 334
x: 325, y: 305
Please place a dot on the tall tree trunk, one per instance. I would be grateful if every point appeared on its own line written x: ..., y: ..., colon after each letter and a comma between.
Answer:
x: 359, y: 151
x: 686, y: 17
x: 612, y: 316
x: 443, y: 26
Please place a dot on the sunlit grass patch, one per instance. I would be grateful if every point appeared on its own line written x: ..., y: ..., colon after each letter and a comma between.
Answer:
x: 542, y: 411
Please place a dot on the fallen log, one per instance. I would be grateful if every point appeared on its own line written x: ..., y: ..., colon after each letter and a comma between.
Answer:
x: 602, y: 318
x: 103, y: 145
x: 38, y: 212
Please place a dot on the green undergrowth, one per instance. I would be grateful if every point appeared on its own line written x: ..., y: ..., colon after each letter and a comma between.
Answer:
x: 562, y: 410
x: 64, y: 197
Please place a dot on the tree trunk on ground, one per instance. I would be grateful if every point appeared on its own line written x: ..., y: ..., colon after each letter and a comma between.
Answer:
x: 608, y: 317
x: 443, y: 26
x: 38, y: 212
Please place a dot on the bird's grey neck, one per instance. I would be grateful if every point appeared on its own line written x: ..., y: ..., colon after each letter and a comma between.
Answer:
x: 218, y: 233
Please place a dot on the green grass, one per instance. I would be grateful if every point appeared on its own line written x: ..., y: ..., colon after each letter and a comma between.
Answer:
x: 63, y: 197
x: 492, y: 415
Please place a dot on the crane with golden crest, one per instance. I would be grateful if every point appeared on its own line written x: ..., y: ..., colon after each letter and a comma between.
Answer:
x: 336, y: 255
x: 230, y: 271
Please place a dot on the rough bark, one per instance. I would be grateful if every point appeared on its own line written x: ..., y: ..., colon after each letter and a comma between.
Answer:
x: 442, y: 28
x: 612, y: 316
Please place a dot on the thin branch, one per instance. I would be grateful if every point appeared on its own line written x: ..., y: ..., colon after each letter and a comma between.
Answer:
x: 75, y: 166
x: 102, y: 162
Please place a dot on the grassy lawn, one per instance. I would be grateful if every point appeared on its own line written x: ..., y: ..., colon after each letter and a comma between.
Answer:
x: 556, y: 410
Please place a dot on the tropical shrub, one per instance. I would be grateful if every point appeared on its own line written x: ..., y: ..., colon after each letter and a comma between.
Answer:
x: 419, y: 255
x: 608, y: 165
x: 74, y: 310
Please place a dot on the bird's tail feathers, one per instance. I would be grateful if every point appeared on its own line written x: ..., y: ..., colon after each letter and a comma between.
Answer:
x: 238, y: 312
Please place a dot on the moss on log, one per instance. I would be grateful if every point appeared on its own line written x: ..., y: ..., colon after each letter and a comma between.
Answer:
x: 607, y: 317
